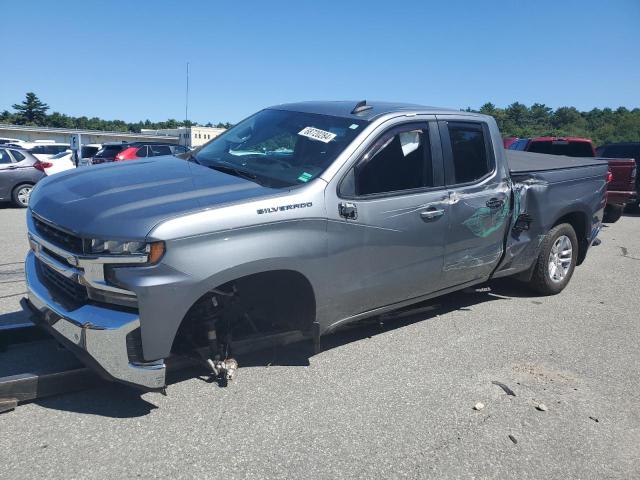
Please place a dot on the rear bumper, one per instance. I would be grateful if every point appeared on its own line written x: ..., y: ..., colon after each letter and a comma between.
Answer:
x: 618, y: 197
x: 96, y: 334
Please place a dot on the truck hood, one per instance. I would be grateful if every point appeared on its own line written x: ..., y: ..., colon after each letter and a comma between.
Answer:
x: 126, y: 200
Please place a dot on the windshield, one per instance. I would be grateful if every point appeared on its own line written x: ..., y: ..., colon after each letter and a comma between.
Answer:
x: 280, y: 148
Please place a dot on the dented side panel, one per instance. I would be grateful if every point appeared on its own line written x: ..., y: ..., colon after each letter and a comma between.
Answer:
x: 540, y: 200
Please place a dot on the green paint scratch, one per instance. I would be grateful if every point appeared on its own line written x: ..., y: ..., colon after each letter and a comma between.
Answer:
x: 486, y: 221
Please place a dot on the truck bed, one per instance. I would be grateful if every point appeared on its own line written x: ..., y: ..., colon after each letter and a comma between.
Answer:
x: 527, y: 162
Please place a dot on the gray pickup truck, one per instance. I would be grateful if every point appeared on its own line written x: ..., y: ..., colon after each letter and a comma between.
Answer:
x: 301, y: 218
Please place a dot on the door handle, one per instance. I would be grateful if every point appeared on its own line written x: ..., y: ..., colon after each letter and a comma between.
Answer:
x: 494, y: 203
x: 11, y: 167
x: 431, y: 213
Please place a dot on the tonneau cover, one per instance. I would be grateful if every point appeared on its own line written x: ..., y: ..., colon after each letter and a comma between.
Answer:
x: 521, y: 162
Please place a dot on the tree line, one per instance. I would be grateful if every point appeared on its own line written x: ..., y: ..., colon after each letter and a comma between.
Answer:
x: 600, y: 125
x: 604, y: 125
x: 33, y: 111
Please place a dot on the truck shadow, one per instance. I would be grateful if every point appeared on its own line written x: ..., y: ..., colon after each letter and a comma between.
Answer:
x: 119, y: 401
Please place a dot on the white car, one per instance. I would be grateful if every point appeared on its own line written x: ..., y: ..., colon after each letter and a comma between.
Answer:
x: 64, y: 160
x: 44, y: 150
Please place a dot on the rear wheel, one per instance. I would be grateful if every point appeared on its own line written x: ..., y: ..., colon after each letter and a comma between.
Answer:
x: 612, y: 213
x: 557, y: 260
x: 21, y: 195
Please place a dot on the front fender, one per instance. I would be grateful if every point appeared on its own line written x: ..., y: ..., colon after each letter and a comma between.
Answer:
x: 195, y: 265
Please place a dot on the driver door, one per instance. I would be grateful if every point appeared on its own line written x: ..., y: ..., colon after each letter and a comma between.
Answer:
x: 388, y: 222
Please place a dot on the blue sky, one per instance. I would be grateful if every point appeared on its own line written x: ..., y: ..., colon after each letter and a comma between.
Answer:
x: 126, y: 59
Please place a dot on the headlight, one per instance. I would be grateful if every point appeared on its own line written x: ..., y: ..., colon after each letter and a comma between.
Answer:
x: 115, y: 247
x: 154, y: 250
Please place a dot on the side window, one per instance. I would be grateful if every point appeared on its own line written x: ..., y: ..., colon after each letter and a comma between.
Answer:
x: 178, y: 149
x: 37, y: 150
x: 17, y: 156
x: 157, y: 150
x: 142, y: 152
x: 400, y: 160
x: 4, y: 156
x: 471, y: 160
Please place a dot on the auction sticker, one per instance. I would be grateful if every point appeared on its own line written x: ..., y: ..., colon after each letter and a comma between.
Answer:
x: 317, y: 134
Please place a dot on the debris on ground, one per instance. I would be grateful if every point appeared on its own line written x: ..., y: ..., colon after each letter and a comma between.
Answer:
x: 504, y: 387
x: 478, y: 406
x: 513, y: 439
x: 594, y: 419
x: 542, y: 407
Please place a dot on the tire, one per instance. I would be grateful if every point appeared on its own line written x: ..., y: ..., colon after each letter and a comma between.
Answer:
x: 633, y: 207
x: 21, y: 194
x: 612, y: 213
x: 546, y: 279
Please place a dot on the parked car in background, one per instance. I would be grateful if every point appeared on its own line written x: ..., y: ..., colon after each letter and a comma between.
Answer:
x: 19, y: 172
x: 45, y: 150
x: 108, y: 152
x: 627, y: 150
x: 621, y: 188
x: 569, y: 146
x: 508, y: 141
x: 118, y: 152
x: 138, y: 150
x: 13, y: 141
x: 65, y: 161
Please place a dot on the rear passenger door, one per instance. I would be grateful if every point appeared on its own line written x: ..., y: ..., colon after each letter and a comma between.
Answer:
x: 478, y: 202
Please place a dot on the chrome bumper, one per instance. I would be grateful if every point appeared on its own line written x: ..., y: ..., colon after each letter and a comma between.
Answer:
x: 100, y: 332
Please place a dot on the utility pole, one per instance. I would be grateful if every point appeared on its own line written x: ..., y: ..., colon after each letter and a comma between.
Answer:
x: 186, y: 107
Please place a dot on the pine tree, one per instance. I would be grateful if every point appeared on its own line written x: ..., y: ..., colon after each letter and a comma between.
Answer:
x: 32, y: 111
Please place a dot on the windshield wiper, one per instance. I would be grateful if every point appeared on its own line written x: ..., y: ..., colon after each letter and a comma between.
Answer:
x: 238, y: 172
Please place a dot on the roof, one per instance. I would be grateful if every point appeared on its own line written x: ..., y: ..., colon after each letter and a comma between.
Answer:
x: 344, y: 108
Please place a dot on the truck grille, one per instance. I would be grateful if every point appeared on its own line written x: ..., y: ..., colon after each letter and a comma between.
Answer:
x: 70, y: 290
x: 58, y: 237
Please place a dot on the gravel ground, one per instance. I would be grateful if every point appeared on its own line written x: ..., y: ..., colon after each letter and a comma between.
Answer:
x: 380, y: 402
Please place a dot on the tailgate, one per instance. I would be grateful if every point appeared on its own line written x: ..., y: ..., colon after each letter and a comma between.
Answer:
x: 624, y: 174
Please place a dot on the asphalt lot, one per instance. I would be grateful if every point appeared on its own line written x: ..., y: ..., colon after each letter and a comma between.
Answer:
x: 390, y: 402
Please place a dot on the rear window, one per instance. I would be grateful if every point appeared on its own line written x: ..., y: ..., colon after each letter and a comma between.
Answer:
x: 562, y: 147
x: 620, y: 151
x: 110, y: 151
x: 88, y: 151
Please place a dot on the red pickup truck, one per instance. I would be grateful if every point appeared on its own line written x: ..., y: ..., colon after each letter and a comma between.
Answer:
x: 628, y: 150
x: 622, y: 186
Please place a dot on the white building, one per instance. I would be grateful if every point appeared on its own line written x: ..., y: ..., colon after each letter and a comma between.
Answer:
x: 189, y: 136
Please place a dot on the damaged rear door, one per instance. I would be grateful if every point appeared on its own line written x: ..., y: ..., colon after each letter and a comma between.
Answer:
x: 479, y: 194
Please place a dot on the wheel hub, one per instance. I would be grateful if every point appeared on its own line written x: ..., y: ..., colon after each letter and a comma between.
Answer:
x: 560, y: 259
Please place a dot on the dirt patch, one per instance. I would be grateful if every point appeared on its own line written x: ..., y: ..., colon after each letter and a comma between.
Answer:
x: 540, y: 373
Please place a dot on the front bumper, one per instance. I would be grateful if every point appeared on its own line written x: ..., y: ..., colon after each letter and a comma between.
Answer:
x: 97, y: 334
